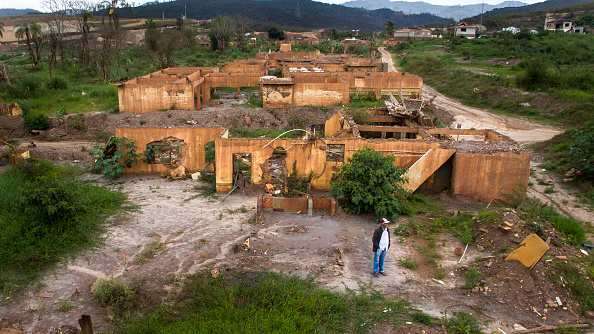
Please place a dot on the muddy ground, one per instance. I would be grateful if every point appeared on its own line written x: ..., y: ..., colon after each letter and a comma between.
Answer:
x: 175, y: 233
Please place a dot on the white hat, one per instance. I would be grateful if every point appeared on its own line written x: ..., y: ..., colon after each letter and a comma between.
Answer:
x: 385, y: 221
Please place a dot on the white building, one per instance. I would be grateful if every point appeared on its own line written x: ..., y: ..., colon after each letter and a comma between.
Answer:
x: 469, y: 31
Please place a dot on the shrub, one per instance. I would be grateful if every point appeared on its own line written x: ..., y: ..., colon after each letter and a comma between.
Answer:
x: 112, y: 292
x: 46, y: 215
x: 209, y: 152
x: 57, y: 83
x: 463, y: 323
x: 472, y: 277
x: 25, y: 88
x: 581, y: 150
x: 538, y: 73
x: 461, y: 226
x: 112, y: 159
x: 35, y: 120
x: 370, y: 183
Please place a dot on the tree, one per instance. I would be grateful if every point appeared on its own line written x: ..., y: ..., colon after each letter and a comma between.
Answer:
x: 1, y: 30
x: 389, y: 29
x: 162, y: 43
x: 275, y: 33
x: 370, y: 183
x: 222, y: 30
x: 31, y: 33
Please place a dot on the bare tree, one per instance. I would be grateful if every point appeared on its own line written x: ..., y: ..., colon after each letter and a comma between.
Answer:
x: 109, y: 33
x: 59, y: 11
x: 222, y: 30
x: 81, y: 11
x: 31, y: 33
x: 1, y: 30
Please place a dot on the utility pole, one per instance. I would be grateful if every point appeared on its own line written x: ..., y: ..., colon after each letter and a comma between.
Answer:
x: 482, y: 11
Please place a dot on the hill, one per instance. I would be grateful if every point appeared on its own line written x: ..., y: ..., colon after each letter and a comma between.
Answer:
x: 418, y: 7
x: 533, y: 16
x: 17, y: 12
x: 305, y: 14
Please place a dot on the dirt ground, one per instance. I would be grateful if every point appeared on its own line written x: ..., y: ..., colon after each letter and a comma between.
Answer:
x: 196, y: 233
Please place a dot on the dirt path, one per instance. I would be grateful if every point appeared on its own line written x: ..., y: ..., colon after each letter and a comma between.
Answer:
x: 466, y: 117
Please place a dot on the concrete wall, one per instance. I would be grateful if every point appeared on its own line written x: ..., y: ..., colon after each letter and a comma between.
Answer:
x: 307, y: 156
x: 277, y: 96
x: 193, y: 153
x: 320, y: 94
x: 150, y: 95
x: 488, y: 177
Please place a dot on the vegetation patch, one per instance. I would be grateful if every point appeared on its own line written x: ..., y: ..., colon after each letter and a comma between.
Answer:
x: 112, y: 159
x: 113, y: 293
x: 47, y: 215
x: 370, y: 183
x: 462, y: 323
x: 269, y: 302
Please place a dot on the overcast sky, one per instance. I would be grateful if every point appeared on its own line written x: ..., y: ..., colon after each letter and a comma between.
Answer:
x: 36, y: 4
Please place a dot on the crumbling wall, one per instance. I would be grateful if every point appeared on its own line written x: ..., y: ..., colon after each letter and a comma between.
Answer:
x: 192, y: 157
x: 255, y: 67
x: 152, y: 95
x: 490, y: 176
x: 308, y: 157
x: 10, y: 109
x: 276, y: 96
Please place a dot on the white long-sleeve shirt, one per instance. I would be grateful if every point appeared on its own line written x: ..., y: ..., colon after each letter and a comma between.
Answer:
x: 384, y: 241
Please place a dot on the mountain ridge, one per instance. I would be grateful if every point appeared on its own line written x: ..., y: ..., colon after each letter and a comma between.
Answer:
x: 306, y: 14
x: 456, y: 12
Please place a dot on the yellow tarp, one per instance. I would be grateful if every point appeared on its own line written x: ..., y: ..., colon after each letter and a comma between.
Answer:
x: 531, y: 250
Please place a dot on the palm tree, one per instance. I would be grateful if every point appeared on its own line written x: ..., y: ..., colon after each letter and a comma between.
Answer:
x: 31, y: 32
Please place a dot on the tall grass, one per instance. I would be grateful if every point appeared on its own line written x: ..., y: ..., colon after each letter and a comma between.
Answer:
x: 270, y: 303
x: 47, y: 214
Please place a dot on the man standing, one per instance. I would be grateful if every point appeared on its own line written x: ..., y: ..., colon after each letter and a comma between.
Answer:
x: 381, y: 245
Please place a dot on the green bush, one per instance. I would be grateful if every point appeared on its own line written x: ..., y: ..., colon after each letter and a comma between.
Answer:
x: 25, y: 88
x: 47, y: 214
x: 112, y: 159
x: 463, y: 323
x: 57, y: 83
x: 209, y: 152
x: 538, y: 73
x: 581, y: 150
x: 370, y: 183
x: 113, y: 292
x: 35, y: 120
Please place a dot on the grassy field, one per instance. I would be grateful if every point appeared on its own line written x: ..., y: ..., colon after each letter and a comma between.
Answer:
x: 47, y: 214
x: 271, y: 303
x: 549, y: 77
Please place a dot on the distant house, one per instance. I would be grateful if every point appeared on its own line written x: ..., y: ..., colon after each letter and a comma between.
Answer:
x: 512, y: 30
x: 561, y: 22
x: 468, y: 30
x: 303, y: 38
x: 412, y: 33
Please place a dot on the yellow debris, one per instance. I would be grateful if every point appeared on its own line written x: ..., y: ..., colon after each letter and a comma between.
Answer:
x: 531, y: 250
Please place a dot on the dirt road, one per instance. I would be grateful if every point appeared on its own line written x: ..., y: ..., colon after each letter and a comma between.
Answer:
x: 466, y: 117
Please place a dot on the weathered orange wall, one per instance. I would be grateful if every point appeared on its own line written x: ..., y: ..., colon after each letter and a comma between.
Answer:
x: 194, y: 139
x: 147, y: 96
x: 488, y: 177
x: 276, y: 96
x: 307, y: 156
x: 320, y: 94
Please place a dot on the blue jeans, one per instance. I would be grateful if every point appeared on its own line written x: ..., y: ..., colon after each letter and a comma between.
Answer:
x: 378, y: 261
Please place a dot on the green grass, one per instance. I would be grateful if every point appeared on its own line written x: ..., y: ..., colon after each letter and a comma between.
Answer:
x: 532, y: 210
x: 270, y: 303
x: 472, y: 278
x: 462, y: 323
x: 461, y: 226
x: 407, y: 263
x: 577, y: 283
x: 47, y: 215
x: 457, y: 68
